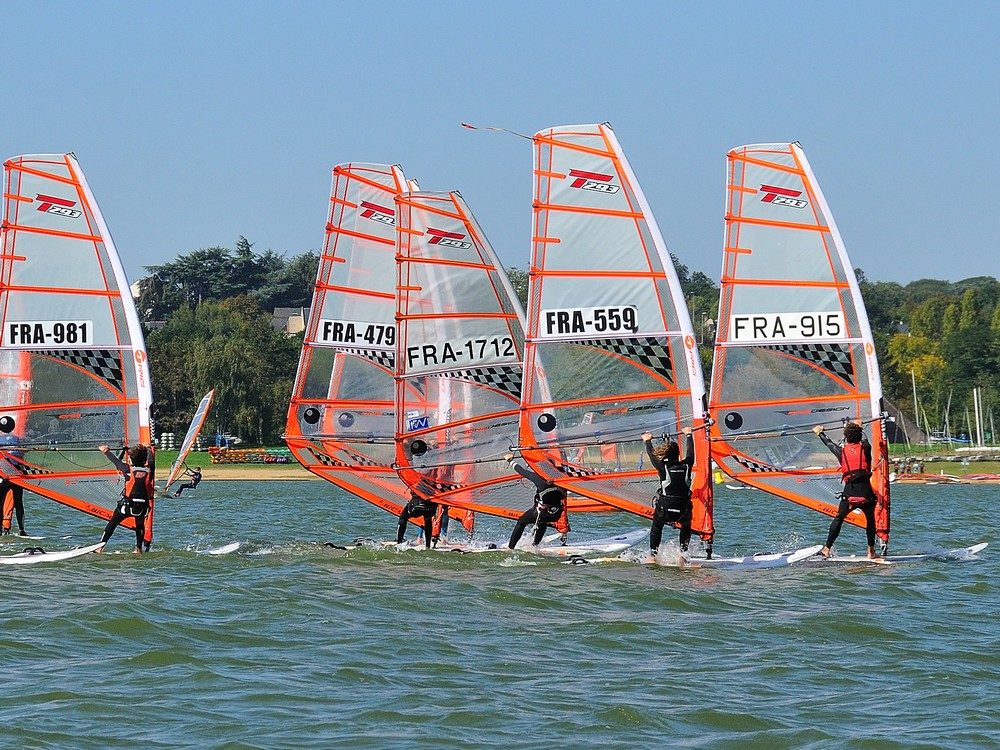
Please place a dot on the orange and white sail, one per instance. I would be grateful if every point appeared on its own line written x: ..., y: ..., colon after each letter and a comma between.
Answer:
x: 194, y: 429
x: 610, y: 350
x: 458, y: 360
x: 793, y: 348
x: 74, y: 366
x: 341, y: 420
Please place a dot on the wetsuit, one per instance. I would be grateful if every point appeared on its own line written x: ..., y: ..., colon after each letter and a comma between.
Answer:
x: 857, y: 484
x: 12, y: 507
x: 417, y: 507
x: 550, y: 502
x: 673, y: 501
x: 195, y: 480
x: 135, y: 500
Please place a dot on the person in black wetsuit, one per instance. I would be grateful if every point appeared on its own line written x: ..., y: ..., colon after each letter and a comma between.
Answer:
x: 195, y: 475
x: 550, y: 503
x: 418, y: 507
x: 137, y: 494
x: 855, y: 458
x: 673, y: 500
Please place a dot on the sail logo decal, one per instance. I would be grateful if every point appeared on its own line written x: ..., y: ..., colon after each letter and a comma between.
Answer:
x: 782, y: 196
x: 447, y: 239
x: 417, y: 423
x: 57, y: 206
x: 378, y: 213
x: 600, y: 183
x: 589, y: 320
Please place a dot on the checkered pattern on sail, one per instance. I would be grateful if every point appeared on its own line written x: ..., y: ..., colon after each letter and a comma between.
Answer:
x: 649, y: 351
x: 753, y: 465
x: 24, y: 467
x: 575, y: 471
x: 379, y: 356
x: 503, y: 378
x: 835, y: 358
x: 357, y: 459
x: 104, y: 363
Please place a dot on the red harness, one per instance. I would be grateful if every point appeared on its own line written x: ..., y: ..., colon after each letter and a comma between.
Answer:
x: 139, y: 485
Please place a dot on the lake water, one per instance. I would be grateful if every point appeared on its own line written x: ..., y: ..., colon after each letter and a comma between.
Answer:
x: 287, y: 643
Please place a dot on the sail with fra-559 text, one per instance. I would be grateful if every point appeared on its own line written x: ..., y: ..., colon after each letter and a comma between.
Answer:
x: 610, y: 350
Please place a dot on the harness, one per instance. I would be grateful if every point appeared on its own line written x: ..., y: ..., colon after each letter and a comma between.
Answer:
x: 139, y: 488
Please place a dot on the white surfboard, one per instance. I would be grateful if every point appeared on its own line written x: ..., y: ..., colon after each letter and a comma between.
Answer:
x: 758, y: 561
x: 959, y: 553
x: 32, y: 558
x: 225, y: 549
x: 549, y: 547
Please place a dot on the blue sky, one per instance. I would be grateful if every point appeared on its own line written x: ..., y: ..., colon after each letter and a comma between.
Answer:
x: 198, y: 122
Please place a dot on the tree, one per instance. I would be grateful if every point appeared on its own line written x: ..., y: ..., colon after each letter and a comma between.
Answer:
x: 232, y: 347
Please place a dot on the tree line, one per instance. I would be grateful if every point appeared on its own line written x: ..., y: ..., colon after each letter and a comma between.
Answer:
x: 208, y: 316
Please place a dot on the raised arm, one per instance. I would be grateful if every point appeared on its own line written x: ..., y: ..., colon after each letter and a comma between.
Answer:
x: 834, y: 448
x: 688, y: 448
x: 647, y: 440
x: 539, y: 482
x: 119, y: 464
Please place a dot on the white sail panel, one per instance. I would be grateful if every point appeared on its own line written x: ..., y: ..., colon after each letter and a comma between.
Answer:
x: 70, y: 338
x: 194, y: 429
x: 610, y: 349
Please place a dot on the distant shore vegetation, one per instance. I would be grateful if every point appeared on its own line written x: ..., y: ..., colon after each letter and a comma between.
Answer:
x: 209, y: 324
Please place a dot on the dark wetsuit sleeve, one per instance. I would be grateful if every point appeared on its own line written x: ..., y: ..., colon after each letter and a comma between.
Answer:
x: 657, y: 463
x: 834, y: 448
x: 531, y: 476
x: 151, y: 464
x: 119, y: 464
x: 867, y: 448
x: 688, y: 451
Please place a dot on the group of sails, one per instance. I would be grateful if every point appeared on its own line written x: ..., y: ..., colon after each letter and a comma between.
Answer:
x: 420, y: 372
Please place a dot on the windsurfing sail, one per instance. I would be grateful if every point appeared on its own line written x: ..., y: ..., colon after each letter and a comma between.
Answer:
x: 74, y: 366
x: 192, y: 434
x: 458, y: 360
x: 793, y: 348
x: 341, y: 419
x: 610, y: 350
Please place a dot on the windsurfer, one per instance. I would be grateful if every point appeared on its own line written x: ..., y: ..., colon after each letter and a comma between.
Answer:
x: 195, y: 475
x: 12, y: 500
x: 673, y: 500
x: 855, y: 458
x: 136, y: 495
x: 549, y: 507
x: 417, y: 507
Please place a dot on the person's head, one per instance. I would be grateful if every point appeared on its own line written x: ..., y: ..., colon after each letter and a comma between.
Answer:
x: 852, y: 433
x: 668, y: 452
x: 137, y: 455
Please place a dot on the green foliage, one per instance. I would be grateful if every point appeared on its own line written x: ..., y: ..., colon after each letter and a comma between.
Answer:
x: 218, y: 273
x: 230, y: 346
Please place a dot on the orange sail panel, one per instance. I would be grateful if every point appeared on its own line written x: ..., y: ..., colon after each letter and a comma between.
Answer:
x: 610, y: 350
x: 793, y: 348
x: 458, y: 362
x: 194, y: 429
x: 341, y: 418
x: 73, y: 372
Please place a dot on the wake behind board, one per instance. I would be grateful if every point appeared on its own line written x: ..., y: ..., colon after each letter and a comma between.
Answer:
x: 548, y: 548
x: 959, y: 553
x: 756, y: 562
x: 32, y: 558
